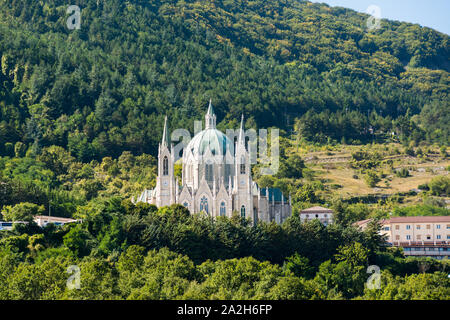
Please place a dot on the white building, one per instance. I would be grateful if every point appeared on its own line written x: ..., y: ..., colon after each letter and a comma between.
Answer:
x: 216, y: 178
x: 426, y: 236
x: 42, y: 221
x: 324, y: 215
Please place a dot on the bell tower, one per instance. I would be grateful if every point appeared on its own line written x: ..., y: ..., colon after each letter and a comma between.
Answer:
x: 243, y: 180
x: 165, y: 183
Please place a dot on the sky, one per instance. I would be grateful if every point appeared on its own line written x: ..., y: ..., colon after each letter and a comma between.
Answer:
x: 428, y: 13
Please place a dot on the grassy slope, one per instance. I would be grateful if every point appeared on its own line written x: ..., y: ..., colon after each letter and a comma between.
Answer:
x: 333, y: 167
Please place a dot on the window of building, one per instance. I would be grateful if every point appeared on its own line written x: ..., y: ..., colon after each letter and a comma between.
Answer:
x: 428, y: 237
x: 418, y: 227
x: 242, y: 166
x: 408, y: 227
x: 438, y: 237
x: 419, y: 237
x: 448, y: 226
x: 243, y: 211
x: 448, y: 236
x: 204, y: 204
x: 397, y: 227
x: 397, y: 237
x: 186, y: 204
x: 428, y: 226
x: 222, y: 209
x: 408, y: 237
x: 438, y: 226
x: 307, y: 216
x: 317, y: 215
x: 165, y: 166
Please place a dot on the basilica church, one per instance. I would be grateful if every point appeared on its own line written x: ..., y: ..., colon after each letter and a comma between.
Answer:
x: 216, y: 178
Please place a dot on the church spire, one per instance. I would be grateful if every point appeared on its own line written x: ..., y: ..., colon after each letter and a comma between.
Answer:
x: 241, y: 139
x: 210, y: 117
x: 210, y: 108
x: 165, y: 138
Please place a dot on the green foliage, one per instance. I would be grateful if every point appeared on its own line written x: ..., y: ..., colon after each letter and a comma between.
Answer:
x: 291, y: 167
x: 403, y: 173
x: 299, y: 266
x: 372, y: 179
x: 440, y: 186
x: 340, y: 82
x: 434, y: 286
x: 23, y: 211
x: 420, y: 210
x: 76, y: 240
x: 74, y: 121
x: 348, y: 274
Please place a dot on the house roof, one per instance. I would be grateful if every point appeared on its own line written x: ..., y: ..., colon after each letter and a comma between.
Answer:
x: 362, y: 222
x: 415, y: 219
x: 54, y: 219
x: 316, y: 210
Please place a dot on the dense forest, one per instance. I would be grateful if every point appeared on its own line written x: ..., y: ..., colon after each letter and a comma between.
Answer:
x: 81, y: 115
x: 139, y: 252
x: 104, y: 89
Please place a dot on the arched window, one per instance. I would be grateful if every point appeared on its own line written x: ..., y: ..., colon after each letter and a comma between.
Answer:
x: 209, y: 172
x: 242, y: 165
x: 186, y: 204
x: 204, y: 204
x: 243, y: 211
x: 165, y: 166
x: 223, y: 209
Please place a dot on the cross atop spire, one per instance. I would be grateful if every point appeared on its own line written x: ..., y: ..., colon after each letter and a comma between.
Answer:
x: 165, y: 138
x: 210, y: 117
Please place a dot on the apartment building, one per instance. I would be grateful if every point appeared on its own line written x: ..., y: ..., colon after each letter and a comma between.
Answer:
x: 418, y: 236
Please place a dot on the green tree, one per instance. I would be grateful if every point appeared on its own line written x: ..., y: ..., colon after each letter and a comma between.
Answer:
x: 372, y: 179
x: 440, y: 186
x: 76, y: 240
x: 23, y: 211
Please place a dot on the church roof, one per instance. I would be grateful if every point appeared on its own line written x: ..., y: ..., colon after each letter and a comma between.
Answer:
x: 165, y: 138
x: 210, y: 108
x: 214, y: 140
x: 274, y: 192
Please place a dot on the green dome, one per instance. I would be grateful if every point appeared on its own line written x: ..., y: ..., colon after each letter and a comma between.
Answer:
x: 211, y: 139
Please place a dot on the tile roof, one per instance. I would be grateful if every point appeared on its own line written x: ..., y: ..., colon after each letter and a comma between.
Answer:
x: 317, y: 210
x: 418, y: 219
x: 274, y: 192
x: 55, y: 219
x: 414, y: 219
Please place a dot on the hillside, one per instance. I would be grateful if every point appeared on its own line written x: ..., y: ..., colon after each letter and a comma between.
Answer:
x: 364, y: 119
x: 105, y: 88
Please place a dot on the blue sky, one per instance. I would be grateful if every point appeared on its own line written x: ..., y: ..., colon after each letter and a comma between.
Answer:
x: 429, y: 13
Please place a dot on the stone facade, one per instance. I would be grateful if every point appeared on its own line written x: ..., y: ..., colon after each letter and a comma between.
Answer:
x: 216, y: 178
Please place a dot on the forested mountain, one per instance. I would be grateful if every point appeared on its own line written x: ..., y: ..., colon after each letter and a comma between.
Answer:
x: 81, y: 115
x: 105, y: 88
